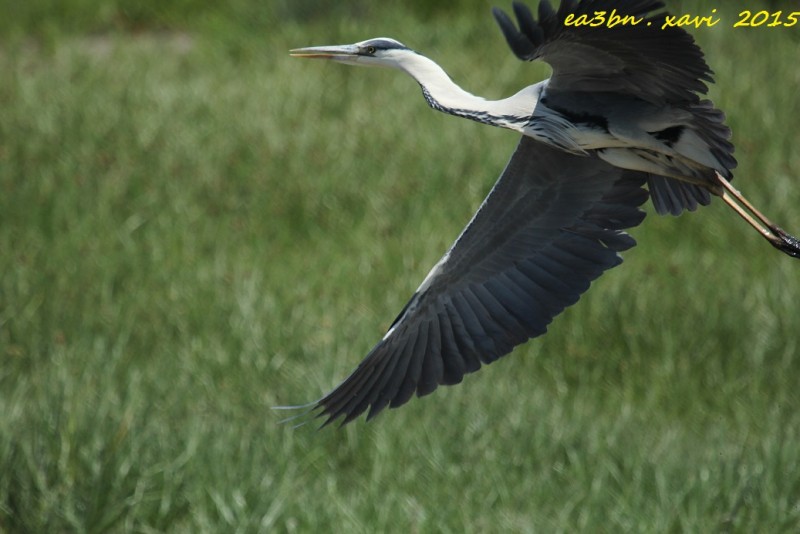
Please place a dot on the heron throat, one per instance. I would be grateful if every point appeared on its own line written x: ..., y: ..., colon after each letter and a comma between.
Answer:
x: 442, y: 94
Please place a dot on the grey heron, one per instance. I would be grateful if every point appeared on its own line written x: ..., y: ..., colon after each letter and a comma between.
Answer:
x: 620, y: 120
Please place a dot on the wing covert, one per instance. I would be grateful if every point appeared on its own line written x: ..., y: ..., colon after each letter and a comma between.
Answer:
x: 551, y: 224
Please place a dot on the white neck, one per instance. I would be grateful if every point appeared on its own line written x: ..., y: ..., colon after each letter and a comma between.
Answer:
x: 444, y: 95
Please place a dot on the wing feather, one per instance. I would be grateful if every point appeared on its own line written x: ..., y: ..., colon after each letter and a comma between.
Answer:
x: 466, y: 347
x: 382, y: 390
x: 411, y: 379
x: 454, y: 364
x: 432, y: 370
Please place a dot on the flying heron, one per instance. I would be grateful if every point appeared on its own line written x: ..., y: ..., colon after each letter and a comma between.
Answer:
x: 620, y: 112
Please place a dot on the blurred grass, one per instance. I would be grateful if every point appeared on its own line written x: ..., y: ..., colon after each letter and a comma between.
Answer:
x: 196, y: 227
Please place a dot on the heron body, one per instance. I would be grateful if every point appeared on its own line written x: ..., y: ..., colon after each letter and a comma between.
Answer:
x: 578, y: 122
x: 620, y: 113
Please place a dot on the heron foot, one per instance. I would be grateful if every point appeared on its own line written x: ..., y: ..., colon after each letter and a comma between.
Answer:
x: 786, y: 243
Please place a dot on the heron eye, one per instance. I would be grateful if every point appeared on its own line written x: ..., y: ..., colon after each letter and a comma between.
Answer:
x: 371, y: 50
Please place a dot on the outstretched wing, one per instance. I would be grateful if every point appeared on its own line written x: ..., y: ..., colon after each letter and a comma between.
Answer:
x: 634, y: 58
x: 641, y: 60
x: 552, y: 224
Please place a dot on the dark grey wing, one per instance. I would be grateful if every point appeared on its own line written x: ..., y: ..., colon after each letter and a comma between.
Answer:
x: 659, y: 66
x: 552, y: 224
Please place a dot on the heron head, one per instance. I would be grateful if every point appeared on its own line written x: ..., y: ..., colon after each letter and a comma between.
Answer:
x: 380, y: 52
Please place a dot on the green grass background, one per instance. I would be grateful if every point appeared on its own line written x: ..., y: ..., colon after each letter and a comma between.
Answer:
x: 195, y: 227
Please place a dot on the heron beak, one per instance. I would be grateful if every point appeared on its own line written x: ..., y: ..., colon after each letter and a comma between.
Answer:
x: 336, y: 53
